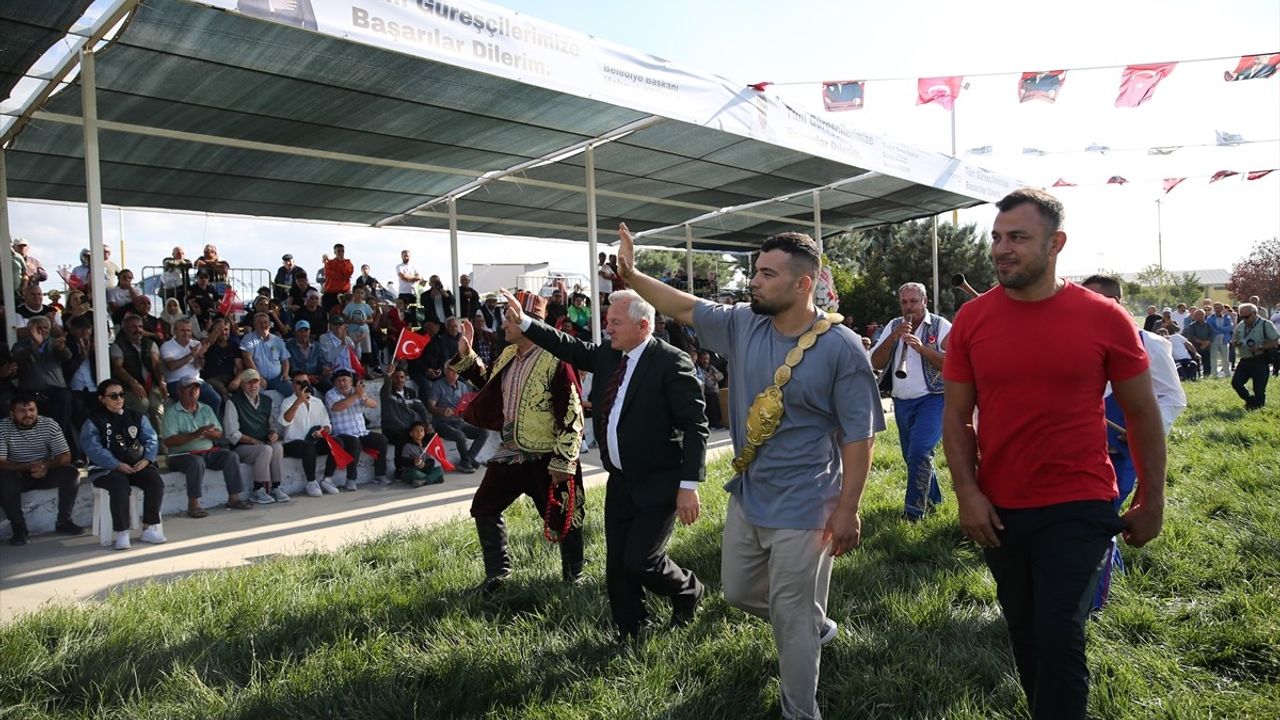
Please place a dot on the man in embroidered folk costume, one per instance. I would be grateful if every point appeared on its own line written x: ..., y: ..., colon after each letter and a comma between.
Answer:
x: 915, y: 344
x: 805, y: 411
x: 533, y: 401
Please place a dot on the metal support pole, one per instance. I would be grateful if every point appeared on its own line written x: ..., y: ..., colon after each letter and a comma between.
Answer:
x: 93, y: 198
x: 1159, y: 235
x: 936, y: 294
x: 688, y: 257
x: 9, y: 281
x: 593, y: 244
x: 955, y: 214
x: 817, y: 219
x: 123, y: 261
x: 453, y: 257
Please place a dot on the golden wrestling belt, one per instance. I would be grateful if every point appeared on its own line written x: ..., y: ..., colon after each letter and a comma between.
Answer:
x: 765, y: 414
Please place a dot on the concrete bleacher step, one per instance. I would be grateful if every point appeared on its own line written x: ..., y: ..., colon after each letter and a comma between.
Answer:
x: 40, y: 507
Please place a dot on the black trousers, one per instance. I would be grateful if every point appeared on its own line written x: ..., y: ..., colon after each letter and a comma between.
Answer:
x: 459, y: 432
x: 636, y: 559
x: 353, y: 446
x: 1251, y: 369
x: 307, y: 451
x: 712, y: 399
x: 396, y: 439
x: 1206, y: 363
x: 117, y: 485
x: 1045, y: 570
x: 504, y: 483
x: 13, y: 483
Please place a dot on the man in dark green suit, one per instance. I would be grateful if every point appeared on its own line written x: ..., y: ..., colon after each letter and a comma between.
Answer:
x: 651, y: 423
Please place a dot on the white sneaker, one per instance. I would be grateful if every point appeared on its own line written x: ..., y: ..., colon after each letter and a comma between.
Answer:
x: 829, y: 632
x: 153, y: 535
x: 280, y: 495
x: 122, y: 540
x: 351, y: 486
x: 328, y: 487
x: 313, y: 489
x: 383, y: 480
x: 260, y: 497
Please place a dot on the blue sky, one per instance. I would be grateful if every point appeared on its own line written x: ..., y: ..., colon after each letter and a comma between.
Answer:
x: 1113, y: 227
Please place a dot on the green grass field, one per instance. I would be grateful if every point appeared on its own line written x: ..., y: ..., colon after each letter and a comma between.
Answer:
x: 386, y: 629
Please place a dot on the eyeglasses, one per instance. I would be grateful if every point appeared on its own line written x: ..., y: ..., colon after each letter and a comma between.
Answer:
x: 114, y: 395
x: 299, y: 383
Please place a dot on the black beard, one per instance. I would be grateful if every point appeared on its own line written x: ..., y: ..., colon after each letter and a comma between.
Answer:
x: 760, y: 308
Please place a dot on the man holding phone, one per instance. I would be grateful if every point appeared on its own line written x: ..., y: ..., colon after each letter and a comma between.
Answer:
x: 301, y: 421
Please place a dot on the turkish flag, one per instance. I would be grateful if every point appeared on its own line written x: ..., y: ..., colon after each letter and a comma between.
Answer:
x: 228, y: 300
x: 411, y: 344
x: 1138, y: 82
x: 1171, y: 183
x: 1258, y: 174
x: 942, y: 90
x: 435, y: 449
x: 1222, y: 175
x: 356, y: 366
x: 1063, y: 183
x: 341, y: 458
x: 1116, y: 180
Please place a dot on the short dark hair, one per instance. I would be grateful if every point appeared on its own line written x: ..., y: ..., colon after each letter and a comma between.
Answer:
x: 1049, y: 207
x: 1109, y: 284
x: 80, y: 322
x: 23, y: 397
x: 416, y: 423
x: 805, y: 258
x: 102, y: 386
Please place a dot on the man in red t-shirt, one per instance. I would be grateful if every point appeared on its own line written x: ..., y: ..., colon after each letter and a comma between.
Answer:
x: 337, y: 277
x: 1040, y: 504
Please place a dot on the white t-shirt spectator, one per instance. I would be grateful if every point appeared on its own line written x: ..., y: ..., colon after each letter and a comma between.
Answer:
x: 406, y: 287
x: 606, y: 278
x: 171, y: 350
x: 119, y: 297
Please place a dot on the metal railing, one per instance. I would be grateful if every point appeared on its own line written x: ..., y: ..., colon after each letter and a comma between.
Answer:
x: 244, y: 281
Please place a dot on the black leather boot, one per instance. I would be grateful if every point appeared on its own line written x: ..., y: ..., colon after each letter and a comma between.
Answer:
x: 493, y: 545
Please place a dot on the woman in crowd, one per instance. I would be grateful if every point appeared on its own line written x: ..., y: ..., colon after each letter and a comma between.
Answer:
x: 171, y: 314
x: 121, y: 446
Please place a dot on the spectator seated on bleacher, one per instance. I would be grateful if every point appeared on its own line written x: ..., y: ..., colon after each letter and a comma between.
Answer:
x: 121, y: 447
x: 216, y: 267
x: 443, y: 400
x: 305, y: 355
x: 401, y: 408
x: 182, y: 357
x: 264, y: 351
x: 190, y: 429
x: 248, y: 423
x: 300, y: 421
x: 34, y: 454
x: 204, y: 293
x: 135, y: 362
x: 346, y: 403
x: 120, y: 298
x: 417, y: 467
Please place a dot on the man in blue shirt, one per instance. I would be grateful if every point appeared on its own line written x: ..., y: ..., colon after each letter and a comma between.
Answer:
x: 1222, y: 326
x: 265, y: 352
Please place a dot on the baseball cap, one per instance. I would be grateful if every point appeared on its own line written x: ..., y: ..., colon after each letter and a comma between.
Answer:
x: 339, y: 374
x: 302, y: 325
x: 248, y: 375
x: 286, y: 256
x: 193, y: 380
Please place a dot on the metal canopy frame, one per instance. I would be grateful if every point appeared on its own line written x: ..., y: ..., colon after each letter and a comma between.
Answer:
x: 209, y: 110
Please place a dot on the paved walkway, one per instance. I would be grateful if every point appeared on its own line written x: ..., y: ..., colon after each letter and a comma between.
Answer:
x: 54, y: 568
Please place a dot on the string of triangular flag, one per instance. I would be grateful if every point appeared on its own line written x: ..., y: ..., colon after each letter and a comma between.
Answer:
x: 1221, y: 139
x: 1170, y: 183
x: 1137, y: 83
